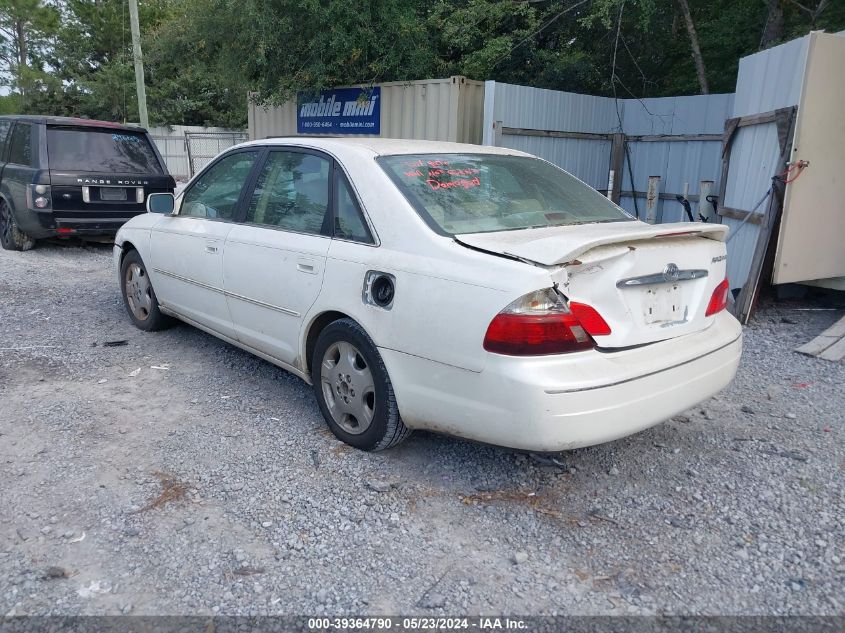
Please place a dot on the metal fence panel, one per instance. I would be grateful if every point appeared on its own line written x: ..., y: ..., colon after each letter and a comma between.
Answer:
x: 646, y: 159
x: 695, y: 114
x: 172, y: 149
x: 755, y: 153
x: 771, y: 79
x: 585, y: 159
x: 688, y: 164
x: 539, y: 109
x: 680, y: 164
x: 170, y: 141
x: 743, y: 241
x: 648, y: 116
x: 203, y: 146
x: 766, y: 81
x: 677, y: 162
x: 551, y: 110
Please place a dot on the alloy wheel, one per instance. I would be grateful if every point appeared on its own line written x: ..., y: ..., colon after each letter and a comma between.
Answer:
x: 138, y: 291
x: 348, y: 387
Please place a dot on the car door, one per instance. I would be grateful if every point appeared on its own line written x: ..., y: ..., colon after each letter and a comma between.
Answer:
x: 187, y: 248
x: 275, y: 258
x: 5, y: 127
x: 19, y: 171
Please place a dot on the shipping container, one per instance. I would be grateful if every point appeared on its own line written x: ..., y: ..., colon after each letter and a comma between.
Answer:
x: 448, y: 109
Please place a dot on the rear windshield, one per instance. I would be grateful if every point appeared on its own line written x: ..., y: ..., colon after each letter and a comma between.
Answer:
x: 477, y: 193
x: 93, y: 150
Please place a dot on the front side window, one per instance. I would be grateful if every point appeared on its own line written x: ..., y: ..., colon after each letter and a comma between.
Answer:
x: 475, y: 193
x: 292, y: 192
x: 100, y: 150
x: 20, y: 151
x: 215, y: 194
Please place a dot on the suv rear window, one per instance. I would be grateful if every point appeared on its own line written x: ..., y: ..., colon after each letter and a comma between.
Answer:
x: 94, y: 150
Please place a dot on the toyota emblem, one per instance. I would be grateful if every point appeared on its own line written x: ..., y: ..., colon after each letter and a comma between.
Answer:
x: 671, y: 273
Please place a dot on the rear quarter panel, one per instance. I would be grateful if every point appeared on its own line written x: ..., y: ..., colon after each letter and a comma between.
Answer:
x: 15, y: 180
x: 446, y: 293
x: 443, y: 302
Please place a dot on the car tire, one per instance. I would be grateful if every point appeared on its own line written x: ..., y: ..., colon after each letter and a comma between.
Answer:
x: 353, y: 388
x: 139, y: 296
x: 11, y: 237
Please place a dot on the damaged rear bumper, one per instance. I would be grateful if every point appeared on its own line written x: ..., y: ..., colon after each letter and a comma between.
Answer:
x: 554, y: 403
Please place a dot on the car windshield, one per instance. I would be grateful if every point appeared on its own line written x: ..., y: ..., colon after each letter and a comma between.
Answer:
x: 477, y: 193
x: 100, y: 150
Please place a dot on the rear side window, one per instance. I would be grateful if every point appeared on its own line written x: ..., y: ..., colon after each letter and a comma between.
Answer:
x: 100, y: 150
x: 349, y: 222
x: 4, y: 136
x: 20, y: 151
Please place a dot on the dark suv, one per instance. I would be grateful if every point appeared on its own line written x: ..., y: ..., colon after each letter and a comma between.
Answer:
x: 63, y: 177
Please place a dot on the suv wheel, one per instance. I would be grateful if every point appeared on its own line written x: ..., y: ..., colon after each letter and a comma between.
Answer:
x: 11, y: 237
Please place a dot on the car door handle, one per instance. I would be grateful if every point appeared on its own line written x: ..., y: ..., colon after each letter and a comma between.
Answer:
x: 211, y: 248
x: 306, y: 266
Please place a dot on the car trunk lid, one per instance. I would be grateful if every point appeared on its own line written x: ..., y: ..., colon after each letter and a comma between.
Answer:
x: 552, y: 245
x: 648, y: 282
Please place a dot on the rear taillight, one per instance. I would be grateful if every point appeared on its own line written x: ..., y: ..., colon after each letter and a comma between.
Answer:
x: 542, y: 323
x: 589, y: 318
x: 719, y: 300
x: 38, y: 197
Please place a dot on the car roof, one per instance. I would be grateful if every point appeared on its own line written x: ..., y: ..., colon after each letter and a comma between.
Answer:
x: 74, y: 121
x: 379, y: 146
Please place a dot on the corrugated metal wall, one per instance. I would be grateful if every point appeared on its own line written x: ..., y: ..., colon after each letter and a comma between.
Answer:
x: 675, y: 162
x: 678, y: 163
x: 588, y: 160
x: 766, y: 81
x: 771, y: 79
x: 436, y: 109
x: 538, y: 109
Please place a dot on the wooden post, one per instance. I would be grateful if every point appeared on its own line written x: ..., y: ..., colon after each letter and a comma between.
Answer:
x: 705, y: 209
x: 497, y: 133
x: 651, y: 200
x: 139, y: 63
x: 188, y: 152
x: 617, y: 164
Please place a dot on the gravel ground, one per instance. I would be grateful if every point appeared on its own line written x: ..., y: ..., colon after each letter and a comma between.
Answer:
x: 179, y: 475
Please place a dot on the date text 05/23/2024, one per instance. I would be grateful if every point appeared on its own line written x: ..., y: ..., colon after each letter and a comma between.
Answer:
x: 416, y: 624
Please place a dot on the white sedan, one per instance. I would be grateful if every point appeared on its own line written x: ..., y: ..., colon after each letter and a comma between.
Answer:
x: 475, y: 291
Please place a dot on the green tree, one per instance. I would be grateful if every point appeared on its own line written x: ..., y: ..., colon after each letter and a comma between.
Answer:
x: 26, y: 27
x: 191, y: 81
x: 93, y: 56
x: 202, y: 57
x: 476, y: 38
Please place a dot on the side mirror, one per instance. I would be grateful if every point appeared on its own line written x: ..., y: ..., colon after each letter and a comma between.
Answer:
x: 161, y: 203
